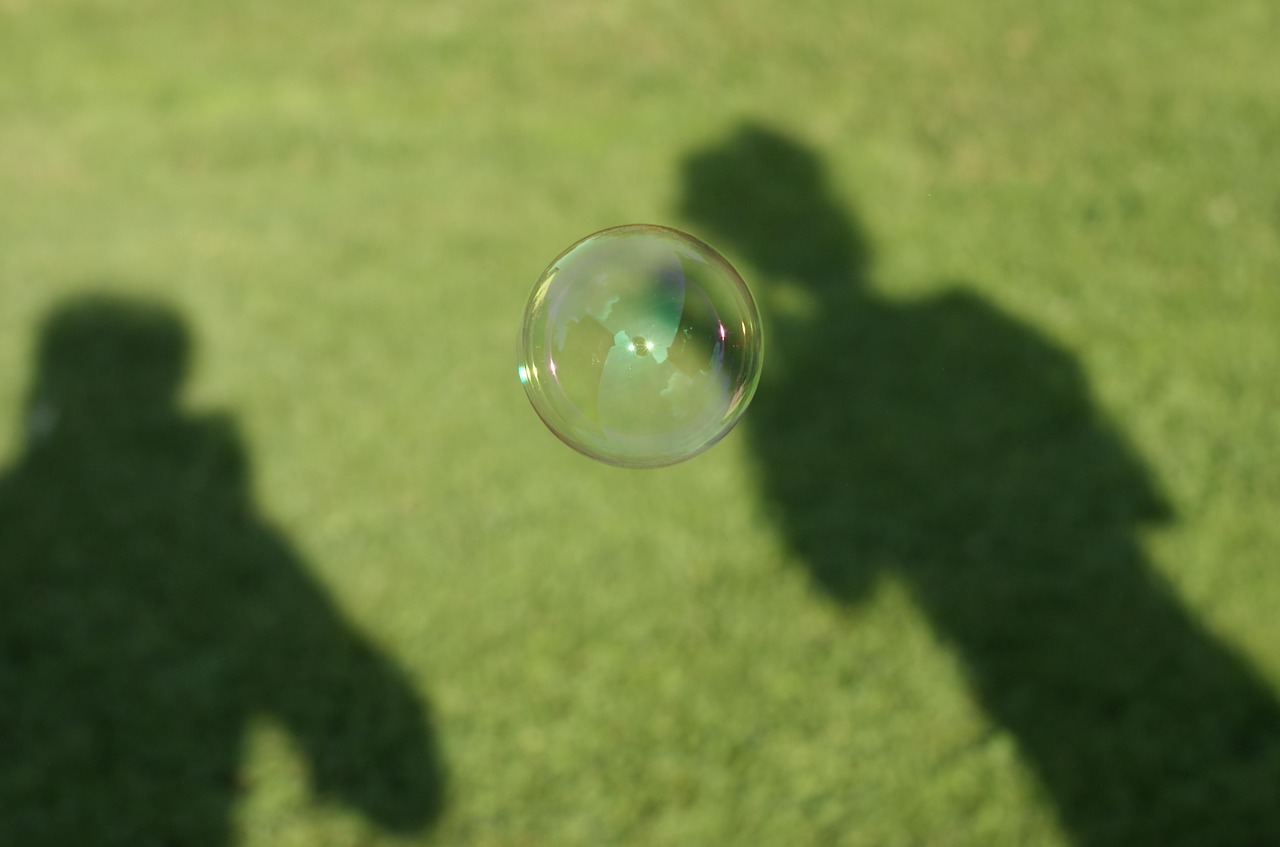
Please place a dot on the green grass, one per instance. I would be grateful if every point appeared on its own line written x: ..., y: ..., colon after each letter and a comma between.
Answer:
x: 991, y: 560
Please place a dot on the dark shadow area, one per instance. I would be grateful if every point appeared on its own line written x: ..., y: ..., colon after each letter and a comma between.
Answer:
x: 944, y: 444
x: 147, y: 614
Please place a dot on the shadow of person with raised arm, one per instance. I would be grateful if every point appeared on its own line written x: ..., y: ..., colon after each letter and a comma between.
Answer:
x: 942, y: 443
x: 147, y: 614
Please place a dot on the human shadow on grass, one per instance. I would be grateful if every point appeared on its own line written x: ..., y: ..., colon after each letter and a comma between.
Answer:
x: 945, y: 444
x: 147, y: 614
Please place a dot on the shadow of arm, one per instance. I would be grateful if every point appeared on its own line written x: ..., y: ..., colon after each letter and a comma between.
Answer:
x: 363, y: 728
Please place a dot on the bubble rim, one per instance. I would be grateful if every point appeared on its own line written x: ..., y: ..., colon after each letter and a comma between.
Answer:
x: 528, y: 370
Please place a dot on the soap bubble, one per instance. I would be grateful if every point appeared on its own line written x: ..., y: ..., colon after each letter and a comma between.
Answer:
x: 641, y: 346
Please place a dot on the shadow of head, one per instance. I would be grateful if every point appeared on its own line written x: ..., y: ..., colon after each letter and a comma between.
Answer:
x: 109, y: 361
x: 768, y: 196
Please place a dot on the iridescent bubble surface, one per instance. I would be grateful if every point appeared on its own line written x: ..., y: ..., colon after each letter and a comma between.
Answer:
x: 641, y: 346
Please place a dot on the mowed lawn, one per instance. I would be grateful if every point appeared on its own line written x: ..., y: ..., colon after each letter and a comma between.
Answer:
x: 287, y: 559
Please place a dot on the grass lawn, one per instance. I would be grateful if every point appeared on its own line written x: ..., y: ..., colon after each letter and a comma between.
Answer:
x: 287, y: 559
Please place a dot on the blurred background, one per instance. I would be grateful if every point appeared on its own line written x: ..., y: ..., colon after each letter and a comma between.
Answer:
x: 286, y: 558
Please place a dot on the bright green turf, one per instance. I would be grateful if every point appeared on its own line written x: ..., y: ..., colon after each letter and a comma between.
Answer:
x: 347, y: 203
